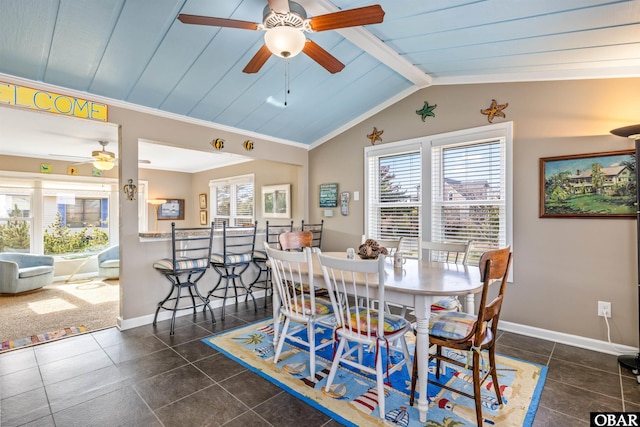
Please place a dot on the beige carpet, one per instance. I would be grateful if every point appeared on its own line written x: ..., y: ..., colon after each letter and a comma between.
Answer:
x: 93, y: 304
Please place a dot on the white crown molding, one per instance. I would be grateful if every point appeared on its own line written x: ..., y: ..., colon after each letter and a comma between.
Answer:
x: 549, y: 75
x: 142, y: 109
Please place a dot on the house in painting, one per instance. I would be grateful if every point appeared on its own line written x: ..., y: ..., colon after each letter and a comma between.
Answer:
x: 607, y: 181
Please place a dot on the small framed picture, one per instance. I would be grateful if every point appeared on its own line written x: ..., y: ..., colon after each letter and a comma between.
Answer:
x: 203, y: 217
x: 171, y: 210
x: 328, y: 195
x: 203, y: 201
x: 276, y: 201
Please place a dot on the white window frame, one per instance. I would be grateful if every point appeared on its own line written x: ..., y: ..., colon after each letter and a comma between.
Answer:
x: 372, y: 182
x: 232, y: 182
x: 39, y: 184
x: 500, y: 131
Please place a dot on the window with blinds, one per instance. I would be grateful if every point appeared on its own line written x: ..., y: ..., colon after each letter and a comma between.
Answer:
x: 394, y: 197
x: 233, y: 201
x: 468, y: 194
x: 464, y: 178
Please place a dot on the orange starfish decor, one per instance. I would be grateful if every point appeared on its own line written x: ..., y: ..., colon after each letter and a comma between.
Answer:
x: 375, y: 136
x: 494, y: 110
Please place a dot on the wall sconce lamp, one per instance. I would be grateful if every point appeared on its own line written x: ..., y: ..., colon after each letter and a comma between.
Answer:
x: 156, y: 204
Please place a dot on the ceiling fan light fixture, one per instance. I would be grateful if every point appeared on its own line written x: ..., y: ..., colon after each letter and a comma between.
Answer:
x: 284, y: 41
x: 103, y: 165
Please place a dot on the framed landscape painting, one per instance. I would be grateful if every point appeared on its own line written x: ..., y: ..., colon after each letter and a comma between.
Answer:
x: 172, y: 209
x: 598, y: 185
x: 276, y: 201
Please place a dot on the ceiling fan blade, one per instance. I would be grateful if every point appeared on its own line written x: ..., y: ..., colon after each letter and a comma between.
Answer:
x: 322, y: 57
x: 217, y: 22
x: 70, y: 158
x: 348, y: 18
x: 258, y: 60
x: 279, y: 6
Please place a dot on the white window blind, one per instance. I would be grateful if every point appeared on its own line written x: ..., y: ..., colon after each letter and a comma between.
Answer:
x: 468, y: 194
x: 394, y: 199
x: 233, y: 201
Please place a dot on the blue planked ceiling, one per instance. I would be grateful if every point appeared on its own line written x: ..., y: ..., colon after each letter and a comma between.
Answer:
x: 136, y: 51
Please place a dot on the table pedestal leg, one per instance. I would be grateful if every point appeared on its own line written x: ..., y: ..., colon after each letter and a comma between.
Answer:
x: 423, y: 312
x: 471, y: 304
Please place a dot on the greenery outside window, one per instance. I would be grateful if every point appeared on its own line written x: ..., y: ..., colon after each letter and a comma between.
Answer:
x: 232, y: 201
x: 394, y: 201
x: 85, y: 213
x: 15, y: 220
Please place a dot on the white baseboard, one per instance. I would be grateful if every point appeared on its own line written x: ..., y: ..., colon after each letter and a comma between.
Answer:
x: 530, y: 331
x: 573, y: 340
x: 124, y: 324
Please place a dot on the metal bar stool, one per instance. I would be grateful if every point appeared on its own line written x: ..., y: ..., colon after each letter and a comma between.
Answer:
x: 191, y: 254
x: 238, y: 244
x: 263, y: 279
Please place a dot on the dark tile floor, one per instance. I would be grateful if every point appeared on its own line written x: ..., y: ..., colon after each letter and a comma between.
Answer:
x: 144, y: 377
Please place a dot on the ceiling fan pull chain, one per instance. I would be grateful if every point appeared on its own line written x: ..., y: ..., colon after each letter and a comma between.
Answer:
x: 287, y: 89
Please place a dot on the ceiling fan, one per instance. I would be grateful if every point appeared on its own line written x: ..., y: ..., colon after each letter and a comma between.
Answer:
x: 101, y: 159
x: 285, y: 22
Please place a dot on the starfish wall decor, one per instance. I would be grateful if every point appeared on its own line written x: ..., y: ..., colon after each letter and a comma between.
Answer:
x: 426, y: 110
x: 375, y: 135
x: 495, y: 110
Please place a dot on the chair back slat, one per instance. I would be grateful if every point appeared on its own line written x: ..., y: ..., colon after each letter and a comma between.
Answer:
x: 316, y: 229
x: 351, y: 281
x: 295, y: 240
x: 193, y: 243
x: 292, y: 277
x: 238, y: 240
x: 392, y: 245
x: 494, y: 266
x: 273, y: 231
x: 457, y: 253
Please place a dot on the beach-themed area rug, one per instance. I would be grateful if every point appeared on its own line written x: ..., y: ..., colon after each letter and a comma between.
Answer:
x: 40, y: 338
x: 352, y: 400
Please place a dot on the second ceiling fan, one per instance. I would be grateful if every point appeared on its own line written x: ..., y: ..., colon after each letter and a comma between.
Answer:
x: 285, y: 22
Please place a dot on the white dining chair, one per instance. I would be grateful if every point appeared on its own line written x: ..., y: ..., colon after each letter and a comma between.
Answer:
x: 362, y: 326
x: 449, y: 252
x: 292, y: 276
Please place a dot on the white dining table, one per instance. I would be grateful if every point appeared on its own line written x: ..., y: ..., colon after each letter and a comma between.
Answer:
x: 417, y: 284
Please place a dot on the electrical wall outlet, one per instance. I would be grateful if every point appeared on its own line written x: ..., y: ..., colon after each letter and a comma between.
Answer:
x: 604, y: 306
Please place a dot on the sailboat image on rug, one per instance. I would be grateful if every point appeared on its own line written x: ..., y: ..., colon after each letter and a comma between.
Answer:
x: 353, y: 399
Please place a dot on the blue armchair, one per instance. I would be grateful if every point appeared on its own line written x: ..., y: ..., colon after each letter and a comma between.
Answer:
x: 109, y: 263
x: 21, y: 272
